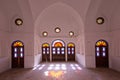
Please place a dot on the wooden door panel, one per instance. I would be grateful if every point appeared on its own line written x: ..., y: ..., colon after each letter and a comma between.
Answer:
x: 59, y: 54
x: 71, y: 54
x: 102, y: 58
x: 45, y: 53
x: 17, y: 60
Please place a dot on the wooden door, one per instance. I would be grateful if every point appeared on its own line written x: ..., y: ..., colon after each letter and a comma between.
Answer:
x: 17, y: 57
x: 70, y: 53
x: 58, y: 53
x: 102, y: 55
x: 46, y: 54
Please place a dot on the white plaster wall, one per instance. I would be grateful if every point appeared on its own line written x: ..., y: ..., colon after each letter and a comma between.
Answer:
x: 80, y: 53
x: 37, y: 59
x: 37, y: 52
x: 4, y: 64
x: 115, y: 39
x: 80, y: 59
x: 4, y: 53
x: 80, y: 5
x: 4, y: 38
x: 62, y: 16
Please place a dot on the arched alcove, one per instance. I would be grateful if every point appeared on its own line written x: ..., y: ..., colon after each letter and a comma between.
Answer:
x: 59, y: 15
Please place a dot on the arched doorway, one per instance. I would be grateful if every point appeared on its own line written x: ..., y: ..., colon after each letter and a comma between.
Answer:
x: 58, y: 50
x: 45, y: 52
x: 71, y: 52
x: 101, y: 53
x: 17, y: 54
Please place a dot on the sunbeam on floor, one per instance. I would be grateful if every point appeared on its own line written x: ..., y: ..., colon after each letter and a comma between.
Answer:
x: 60, y: 71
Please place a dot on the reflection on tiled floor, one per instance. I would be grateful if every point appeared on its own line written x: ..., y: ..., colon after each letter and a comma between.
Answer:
x: 60, y: 71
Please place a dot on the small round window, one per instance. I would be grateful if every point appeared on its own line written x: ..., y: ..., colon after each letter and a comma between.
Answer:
x: 57, y: 30
x: 18, y: 21
x: 45, y: 34
x: 100, y: 20
x: 71, y: 33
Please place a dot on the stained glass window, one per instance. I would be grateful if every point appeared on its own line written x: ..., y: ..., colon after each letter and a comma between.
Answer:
x: 101, y: 43
x: 58, y: 44
x: 71, y: 45
x: 18, y: 44
x: 45, y: 45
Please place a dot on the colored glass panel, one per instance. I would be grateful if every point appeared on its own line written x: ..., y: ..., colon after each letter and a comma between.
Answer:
x: 58, y: 44
x: 101, y: 43
x: 45, y: 45
x: 17, y: 44
x: 71, y: 45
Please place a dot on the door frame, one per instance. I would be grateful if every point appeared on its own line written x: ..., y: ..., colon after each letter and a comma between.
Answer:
x: 70, y: 57
x: 45, y: 57
x: 63, y: 56
x: 13, y: 59
x: 106, y: 58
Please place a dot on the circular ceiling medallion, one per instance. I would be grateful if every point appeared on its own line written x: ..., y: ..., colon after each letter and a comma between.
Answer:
x: 18, y: 21
x: 71, y: 33
x: 45, y: 34
x: 100, y: 20
x: 57, y: 30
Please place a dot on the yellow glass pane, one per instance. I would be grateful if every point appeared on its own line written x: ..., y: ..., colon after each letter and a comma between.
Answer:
x: 45, y: 45
x: 71, y: 45
x: 101, y: 43
x: 18, y: 44
x: 58, y: 44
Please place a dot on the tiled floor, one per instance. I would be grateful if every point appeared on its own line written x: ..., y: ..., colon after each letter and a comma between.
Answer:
x: 60, y: 71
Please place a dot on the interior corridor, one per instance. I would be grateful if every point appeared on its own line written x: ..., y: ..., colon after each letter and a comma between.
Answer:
x: 60, y: 71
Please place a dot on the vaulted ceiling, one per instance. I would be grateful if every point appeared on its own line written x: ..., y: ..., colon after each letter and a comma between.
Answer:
x: 45, y: 15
